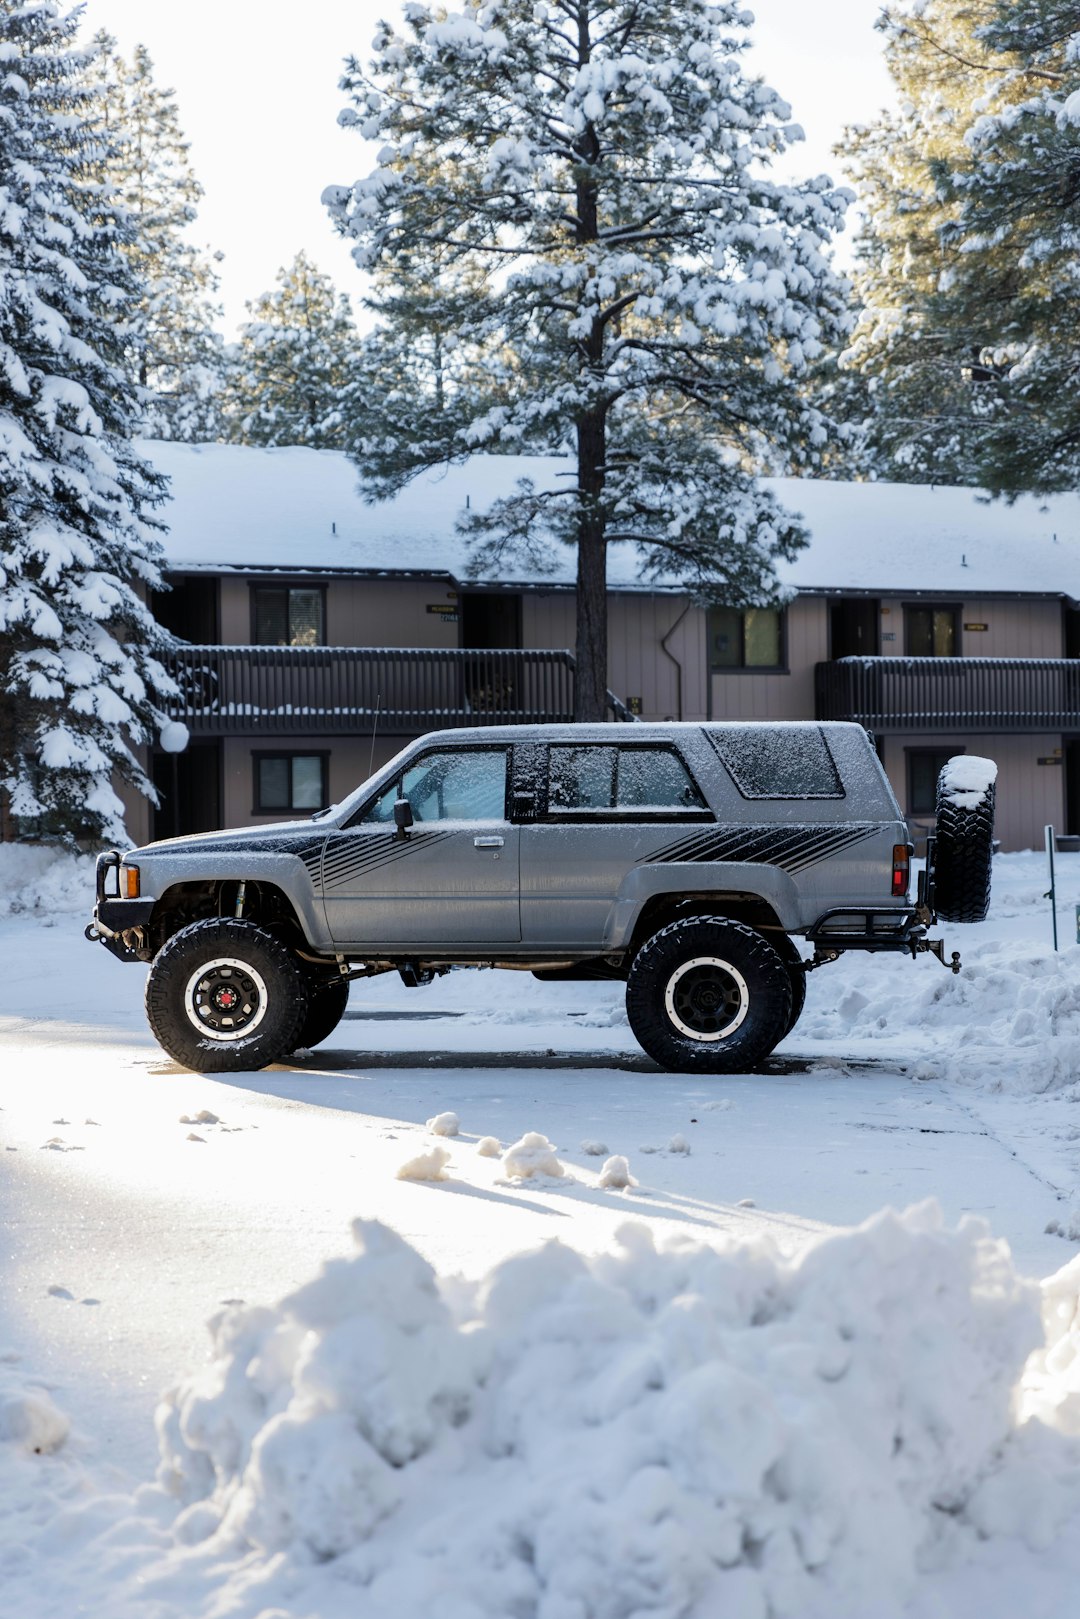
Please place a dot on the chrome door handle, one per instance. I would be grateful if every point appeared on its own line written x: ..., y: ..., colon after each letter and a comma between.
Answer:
x: 487, y: 843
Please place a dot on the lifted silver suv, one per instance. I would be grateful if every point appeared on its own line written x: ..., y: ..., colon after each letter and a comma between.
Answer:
x: 684, y: 859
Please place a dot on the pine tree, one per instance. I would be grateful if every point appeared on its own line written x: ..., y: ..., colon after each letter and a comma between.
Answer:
x: 294, y: 363
x: 1016, y: 236
x: 77, y: 667
x: 646, y: 297
x: 173, y: 351
x: 913, y: 373
x: 967, y: 343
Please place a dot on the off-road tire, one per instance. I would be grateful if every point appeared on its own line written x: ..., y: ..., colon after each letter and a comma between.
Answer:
x: 682, y: 969
x: 798, y: 995
x: 328, y: 996
x: 272, y: 985
x: 962, y: 859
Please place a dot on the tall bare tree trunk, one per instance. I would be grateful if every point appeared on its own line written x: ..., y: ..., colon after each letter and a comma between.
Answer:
x: 590, y: 686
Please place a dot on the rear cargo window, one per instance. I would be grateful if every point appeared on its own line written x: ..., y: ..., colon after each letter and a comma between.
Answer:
x: 779, y: 761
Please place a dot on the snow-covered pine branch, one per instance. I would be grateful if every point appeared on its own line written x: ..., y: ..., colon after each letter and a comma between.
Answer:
x: 78, y: 672
x: 641, y: 293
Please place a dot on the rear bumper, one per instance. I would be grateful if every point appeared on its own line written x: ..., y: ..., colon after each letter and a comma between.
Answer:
x: 863, y: 928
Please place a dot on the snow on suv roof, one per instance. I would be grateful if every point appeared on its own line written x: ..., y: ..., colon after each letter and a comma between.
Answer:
x: 235, y: 506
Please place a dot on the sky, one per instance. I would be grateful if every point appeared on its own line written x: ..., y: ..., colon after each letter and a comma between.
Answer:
x: 258, y: 100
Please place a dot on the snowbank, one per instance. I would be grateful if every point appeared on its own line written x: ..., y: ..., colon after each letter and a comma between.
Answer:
x: 681, y: 1430
x: 1009, y: 1022
x: 44, y: 879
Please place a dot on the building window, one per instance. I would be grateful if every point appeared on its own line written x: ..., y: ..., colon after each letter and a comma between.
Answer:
x: 748, y: 638
x: 287, y: 782
x: 932, y: 632
x: 287, y: 615
x: 924, y: 765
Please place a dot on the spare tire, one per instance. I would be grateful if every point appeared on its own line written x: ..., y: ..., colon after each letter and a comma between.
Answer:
x: 964, y: 839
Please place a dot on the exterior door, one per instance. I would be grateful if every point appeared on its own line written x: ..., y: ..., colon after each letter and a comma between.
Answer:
x: 451, y: 880
x: 853, y: 628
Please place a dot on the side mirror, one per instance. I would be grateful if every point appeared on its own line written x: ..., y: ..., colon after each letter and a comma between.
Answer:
x: 403, y: 817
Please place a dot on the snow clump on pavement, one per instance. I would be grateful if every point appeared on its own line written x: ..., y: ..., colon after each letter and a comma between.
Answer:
x: 29, y: 1418
x: 444, y: 1124
x: 532, y: 1155
x: 616, y: 1174
x: 426, y: 1166
x: 683, y: 1429
x: 489, y: 1147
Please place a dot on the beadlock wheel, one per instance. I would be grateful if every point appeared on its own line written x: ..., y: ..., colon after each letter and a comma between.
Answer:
x: 226, y: 999
x: 706, y: 998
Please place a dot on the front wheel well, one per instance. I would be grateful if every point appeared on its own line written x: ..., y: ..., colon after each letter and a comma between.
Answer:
x: 263, y: 903
x: 749, y: 909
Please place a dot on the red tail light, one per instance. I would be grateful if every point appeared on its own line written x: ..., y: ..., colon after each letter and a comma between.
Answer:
x: 901, y: 869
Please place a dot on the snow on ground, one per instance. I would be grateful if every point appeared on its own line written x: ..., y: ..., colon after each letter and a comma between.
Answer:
x: 629, y: 1421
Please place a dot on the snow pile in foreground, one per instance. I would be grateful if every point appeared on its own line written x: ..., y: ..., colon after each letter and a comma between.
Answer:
x: 44, y: 878
x: 683, y: 1430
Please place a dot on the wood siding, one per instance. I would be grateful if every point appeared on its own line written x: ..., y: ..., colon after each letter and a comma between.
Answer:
x: 752, y: 694
x: 1015, y: 629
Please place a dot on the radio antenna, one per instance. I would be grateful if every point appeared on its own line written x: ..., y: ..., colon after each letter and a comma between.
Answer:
x: 374, y: 730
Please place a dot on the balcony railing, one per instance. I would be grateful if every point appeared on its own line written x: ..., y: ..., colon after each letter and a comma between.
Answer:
x: 949, y: 694
x: 338, y: 689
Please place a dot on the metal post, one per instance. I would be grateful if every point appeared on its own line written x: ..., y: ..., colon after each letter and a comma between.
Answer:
x: 1052, y: 895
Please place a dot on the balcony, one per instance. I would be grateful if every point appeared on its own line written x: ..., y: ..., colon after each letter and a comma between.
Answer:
x: 951, y: 694
x: 337, y: 690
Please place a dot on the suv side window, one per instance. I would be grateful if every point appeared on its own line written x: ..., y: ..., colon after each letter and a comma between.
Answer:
x: 581, y: 778
x: 462, y: 784
x: 654, y: 778
x: 628, y: 779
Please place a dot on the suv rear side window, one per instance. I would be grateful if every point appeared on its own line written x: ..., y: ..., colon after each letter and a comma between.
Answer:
x: 627, y: 779
x: 779, y: 761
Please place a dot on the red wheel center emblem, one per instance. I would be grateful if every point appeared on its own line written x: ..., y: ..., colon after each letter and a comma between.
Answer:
x: 226, y: 999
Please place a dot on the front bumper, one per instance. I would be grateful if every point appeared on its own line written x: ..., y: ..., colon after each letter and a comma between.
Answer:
x: 115, y: 919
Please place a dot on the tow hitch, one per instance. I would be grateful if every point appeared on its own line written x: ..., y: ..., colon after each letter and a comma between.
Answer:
x: 936, y: 948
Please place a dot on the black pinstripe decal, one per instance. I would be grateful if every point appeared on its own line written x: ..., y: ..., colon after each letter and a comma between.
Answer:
x: 356, y: 855
x: 792, y: 848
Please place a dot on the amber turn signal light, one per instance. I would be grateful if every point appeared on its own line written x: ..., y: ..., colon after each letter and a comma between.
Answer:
x: 131, y: 882
x: 901, y: 867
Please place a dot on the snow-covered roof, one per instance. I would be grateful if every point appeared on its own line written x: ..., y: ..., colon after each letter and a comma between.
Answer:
x: 238, y: 507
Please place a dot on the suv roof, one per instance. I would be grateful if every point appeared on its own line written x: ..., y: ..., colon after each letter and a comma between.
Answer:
x: 640, y: 730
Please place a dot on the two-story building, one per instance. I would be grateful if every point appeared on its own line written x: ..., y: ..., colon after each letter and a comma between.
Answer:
x: 325, y: 632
